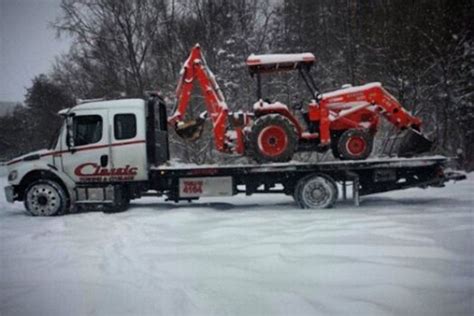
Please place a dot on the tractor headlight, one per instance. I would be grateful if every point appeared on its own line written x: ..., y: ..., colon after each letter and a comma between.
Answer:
x: 12, y: 175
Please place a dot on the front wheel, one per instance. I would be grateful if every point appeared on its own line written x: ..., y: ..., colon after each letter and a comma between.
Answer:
x: 46, y: 198
x: 354, y: 144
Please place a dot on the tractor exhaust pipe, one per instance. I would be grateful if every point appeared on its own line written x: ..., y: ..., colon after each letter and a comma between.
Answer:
x: 413, y: 143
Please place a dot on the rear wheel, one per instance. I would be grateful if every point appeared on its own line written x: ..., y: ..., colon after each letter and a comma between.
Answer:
x: 46, y: 198
x: 315, y: 192
x: 121, y: 203
x: 273, y: 138
x: 354, y: 144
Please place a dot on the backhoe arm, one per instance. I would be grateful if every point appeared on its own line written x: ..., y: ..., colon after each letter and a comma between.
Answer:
x: 195, y: 68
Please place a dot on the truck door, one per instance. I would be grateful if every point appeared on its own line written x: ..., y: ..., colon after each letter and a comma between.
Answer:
x: 128, y: 138
x: 88, y: 160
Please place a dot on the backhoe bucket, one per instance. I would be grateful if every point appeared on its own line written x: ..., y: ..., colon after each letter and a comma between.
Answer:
x: 413, y: 143
x: 190, y: 130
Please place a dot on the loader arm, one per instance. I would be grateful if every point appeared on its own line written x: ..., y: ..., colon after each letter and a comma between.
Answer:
x: 195, y: 69
x: 371, y: 95
x: 375, y: 98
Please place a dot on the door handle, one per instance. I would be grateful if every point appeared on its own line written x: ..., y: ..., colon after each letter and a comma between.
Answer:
x: 104, y: 160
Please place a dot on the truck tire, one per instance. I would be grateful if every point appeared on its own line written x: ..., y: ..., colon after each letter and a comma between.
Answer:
x: 354, y: 144
x: 46, y: 198
x: 316, y: 192
x: 273, y: 138
x: 121, y: 205
x: 302, y: 181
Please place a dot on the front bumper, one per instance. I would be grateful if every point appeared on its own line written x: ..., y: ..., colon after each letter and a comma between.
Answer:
x: 10, y: 194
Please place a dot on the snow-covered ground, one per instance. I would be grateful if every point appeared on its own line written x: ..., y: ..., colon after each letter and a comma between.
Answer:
x: 403, y: 253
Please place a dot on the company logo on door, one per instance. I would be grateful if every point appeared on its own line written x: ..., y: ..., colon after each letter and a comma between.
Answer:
x: 92, y: 172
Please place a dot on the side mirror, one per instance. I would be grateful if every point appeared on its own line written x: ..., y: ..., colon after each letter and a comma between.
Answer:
x: 69, y: 132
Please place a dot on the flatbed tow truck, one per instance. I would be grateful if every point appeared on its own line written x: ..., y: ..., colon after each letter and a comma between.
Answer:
x: 110, y: 152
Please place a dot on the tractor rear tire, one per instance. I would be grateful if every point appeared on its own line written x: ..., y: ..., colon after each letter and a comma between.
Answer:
x: 354, y: 144
x: 273, y: 138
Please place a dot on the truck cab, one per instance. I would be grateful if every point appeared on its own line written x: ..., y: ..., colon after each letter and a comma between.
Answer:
x: 107, y: 142
x: 101, y: 156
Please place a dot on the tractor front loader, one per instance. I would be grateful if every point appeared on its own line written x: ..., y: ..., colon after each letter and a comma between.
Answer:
x: 344, y: 120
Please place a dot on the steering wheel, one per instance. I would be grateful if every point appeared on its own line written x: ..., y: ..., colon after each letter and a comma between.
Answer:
x: 297, y: 105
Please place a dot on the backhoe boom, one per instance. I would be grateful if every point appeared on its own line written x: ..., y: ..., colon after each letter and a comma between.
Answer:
x: 195, y: 68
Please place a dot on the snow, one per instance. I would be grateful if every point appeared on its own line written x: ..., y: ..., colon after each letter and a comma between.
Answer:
x: 107, y: 104
x: 259, y: 105
x: 344, y: 91
x: 279, y: 58
x: 354, y: 107
x: 400, y: 253
x: 395, y: 162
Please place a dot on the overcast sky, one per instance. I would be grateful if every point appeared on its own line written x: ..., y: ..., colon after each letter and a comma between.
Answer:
x: 27, y: 44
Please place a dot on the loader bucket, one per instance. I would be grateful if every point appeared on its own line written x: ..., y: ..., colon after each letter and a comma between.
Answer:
x: 190, y: 130
x: 413, y: 143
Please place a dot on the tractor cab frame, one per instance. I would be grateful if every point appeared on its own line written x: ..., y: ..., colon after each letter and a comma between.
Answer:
x: 264, y: 64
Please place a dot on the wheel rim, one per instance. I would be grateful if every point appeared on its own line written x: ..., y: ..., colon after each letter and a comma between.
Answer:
x: 316, y: 194
x: 43, y: 199
x: 272, y: 140
x: 356, y: 145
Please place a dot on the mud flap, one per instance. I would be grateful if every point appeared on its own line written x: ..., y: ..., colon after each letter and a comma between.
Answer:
x: 413, y: 143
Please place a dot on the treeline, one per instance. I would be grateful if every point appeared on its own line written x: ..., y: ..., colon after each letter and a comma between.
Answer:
x: 422, y: 51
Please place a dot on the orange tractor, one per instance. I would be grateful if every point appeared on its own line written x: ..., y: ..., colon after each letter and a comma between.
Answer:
x: 344, y: 120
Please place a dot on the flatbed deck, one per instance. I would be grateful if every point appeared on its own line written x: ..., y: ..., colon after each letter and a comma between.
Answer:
x: 193, y: 169
x: 365, y: 176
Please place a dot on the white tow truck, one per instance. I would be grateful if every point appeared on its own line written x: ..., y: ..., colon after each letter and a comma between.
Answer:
x: 109, y: 152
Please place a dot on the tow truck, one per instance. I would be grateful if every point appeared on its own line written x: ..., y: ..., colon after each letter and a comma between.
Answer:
x: 112, y: 151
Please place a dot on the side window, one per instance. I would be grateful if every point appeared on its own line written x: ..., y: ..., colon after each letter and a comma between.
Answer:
x: 87, y: 129
x: 125, y: 126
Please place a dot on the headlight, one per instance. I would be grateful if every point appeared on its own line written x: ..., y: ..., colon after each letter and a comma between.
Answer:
x: 12, y: 175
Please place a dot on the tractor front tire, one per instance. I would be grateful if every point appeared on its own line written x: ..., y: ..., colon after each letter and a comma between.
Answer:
x: 334, y: 146
x: 354, y: 144
x: 272, y: 138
